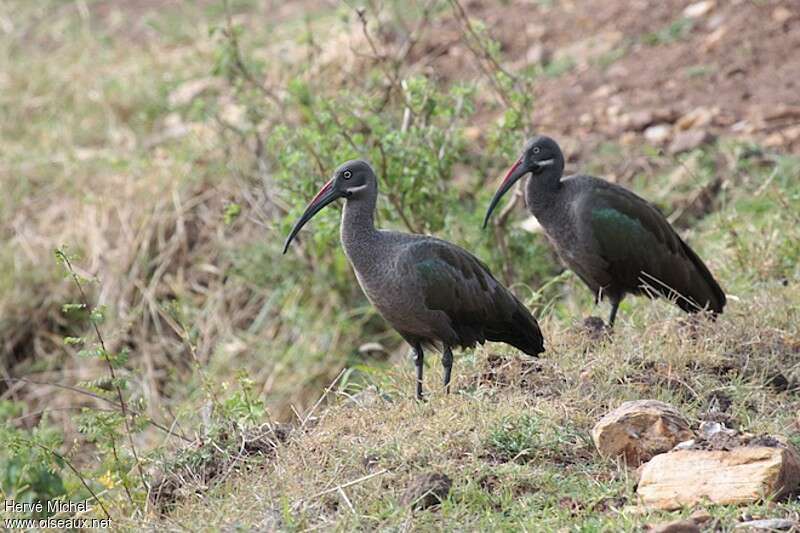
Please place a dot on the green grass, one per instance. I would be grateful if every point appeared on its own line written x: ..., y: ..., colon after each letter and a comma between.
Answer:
x: 515, y: 435
x: 182, y: 225
x: 675, y: 31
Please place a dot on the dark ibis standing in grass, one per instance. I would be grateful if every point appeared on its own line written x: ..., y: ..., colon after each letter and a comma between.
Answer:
x: 615, y: 241
x: 432, y: 292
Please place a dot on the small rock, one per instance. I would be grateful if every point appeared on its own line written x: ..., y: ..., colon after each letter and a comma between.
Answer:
x: 640, y: 120
x: 770, y: 524
x: 696, y: 118
x: 427, y: 490
x: 773, y: 140
x: 710, y: 428
x: 698, y: 9
x: 689, y: 140
x: 700, y: 517
x: 639, y: 430
x: 781, y: 14
x: 538, y: 54
x: 472, y: 133
x: 685, y: 445
x: 628, y: 138
x: 713, y: 38
x: 658, y: 134
x: 373, y: 349
x: 189, y: 90
x: 586, y: 119
x: 792, y: 134
x: 677, y: 526
x: 743, y: 475
x: 637, y: 120
x: 604, y: 91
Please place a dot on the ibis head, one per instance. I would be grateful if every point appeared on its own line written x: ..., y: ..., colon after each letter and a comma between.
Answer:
x: 540, y: 154
x: 351, y: 180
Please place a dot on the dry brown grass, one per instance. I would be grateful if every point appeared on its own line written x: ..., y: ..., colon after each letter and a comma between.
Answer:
x: 350, y: 467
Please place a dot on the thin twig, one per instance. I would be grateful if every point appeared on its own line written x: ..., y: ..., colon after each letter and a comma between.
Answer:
x: 91, y: 394
x: 321, y: 398
x: 77, y: 473
x: 230, y: 33
x: 350, y: 483
x: 123, y: 405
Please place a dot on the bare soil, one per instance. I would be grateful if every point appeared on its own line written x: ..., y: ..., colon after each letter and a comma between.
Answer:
x: 738, y: 61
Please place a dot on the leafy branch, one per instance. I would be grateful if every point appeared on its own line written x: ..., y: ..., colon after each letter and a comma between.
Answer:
x: 126, y: 415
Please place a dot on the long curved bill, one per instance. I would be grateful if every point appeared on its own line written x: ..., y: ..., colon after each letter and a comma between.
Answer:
x: 326, y: 195
x: 514, y: 173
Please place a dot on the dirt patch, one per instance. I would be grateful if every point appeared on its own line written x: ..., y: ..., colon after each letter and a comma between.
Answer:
x: 611, y: 61
x: 205, y: 463
x: 427, y: 490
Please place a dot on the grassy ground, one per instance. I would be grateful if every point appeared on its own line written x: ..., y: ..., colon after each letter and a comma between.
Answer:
x: 514, y: 436
x: 123, y: 137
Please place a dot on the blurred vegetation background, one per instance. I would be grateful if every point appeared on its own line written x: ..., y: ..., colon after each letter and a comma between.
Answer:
x: 166, y: 147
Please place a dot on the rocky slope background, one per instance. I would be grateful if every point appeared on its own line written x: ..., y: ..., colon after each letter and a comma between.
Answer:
x: 163, y: 149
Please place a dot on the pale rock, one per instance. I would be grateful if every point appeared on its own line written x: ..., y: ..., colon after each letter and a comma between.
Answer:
x: 713, y: 38
x: 658, y: 133
x: 639, y: 430
x: 637, y: 120
x: 743, y: 126
x: 697, y: 118
x: 769, y: 524
x: 690, y: 525
x: 372, y: 349
x: 743, y: 475
x: 792, y: 134
x: 583, y: 51
x: 234, y: 114
x: 773, y: 140
x: 677, y: 526
x: 604, y: 91
x: 781, y: 14
x: 628, y: 138
x: 534, y: 31
x: 189, y: 90
x: 472, y: 133
x: 701, y: 516
x: 537, y: 54
x: 686, y: 141
x: 618, y: 70
x: 698, y: 9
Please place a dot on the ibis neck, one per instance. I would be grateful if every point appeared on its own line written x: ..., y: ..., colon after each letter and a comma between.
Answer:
x: 542, y: 188
x: 358, y: 222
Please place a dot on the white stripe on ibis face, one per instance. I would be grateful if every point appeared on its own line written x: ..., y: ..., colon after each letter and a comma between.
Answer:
x: 322, y: 191
x: 511, y: 170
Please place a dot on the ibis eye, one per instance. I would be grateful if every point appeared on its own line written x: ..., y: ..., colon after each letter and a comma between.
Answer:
x: 347, y: 174
x: 536, y: 149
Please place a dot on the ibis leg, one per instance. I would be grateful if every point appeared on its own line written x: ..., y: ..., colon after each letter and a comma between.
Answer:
x: 613, y: 316
x: 447, y: 363
x: 419, y: 363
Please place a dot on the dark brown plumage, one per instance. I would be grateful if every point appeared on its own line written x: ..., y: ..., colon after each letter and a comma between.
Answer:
x: 431, y: 291
x: 615, y: 241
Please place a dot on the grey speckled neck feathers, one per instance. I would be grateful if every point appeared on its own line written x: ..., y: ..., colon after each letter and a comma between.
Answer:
x: 358, y: 231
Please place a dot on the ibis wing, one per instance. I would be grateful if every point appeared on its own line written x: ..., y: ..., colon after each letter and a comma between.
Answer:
x: 479, y: 307
x: 643, y: 251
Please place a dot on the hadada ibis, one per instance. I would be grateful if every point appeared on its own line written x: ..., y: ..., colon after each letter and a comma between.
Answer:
x: 615, y: 241
x: 434, y: 293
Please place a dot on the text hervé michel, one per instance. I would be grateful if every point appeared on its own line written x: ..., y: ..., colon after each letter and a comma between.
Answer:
x: 48, y: 507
